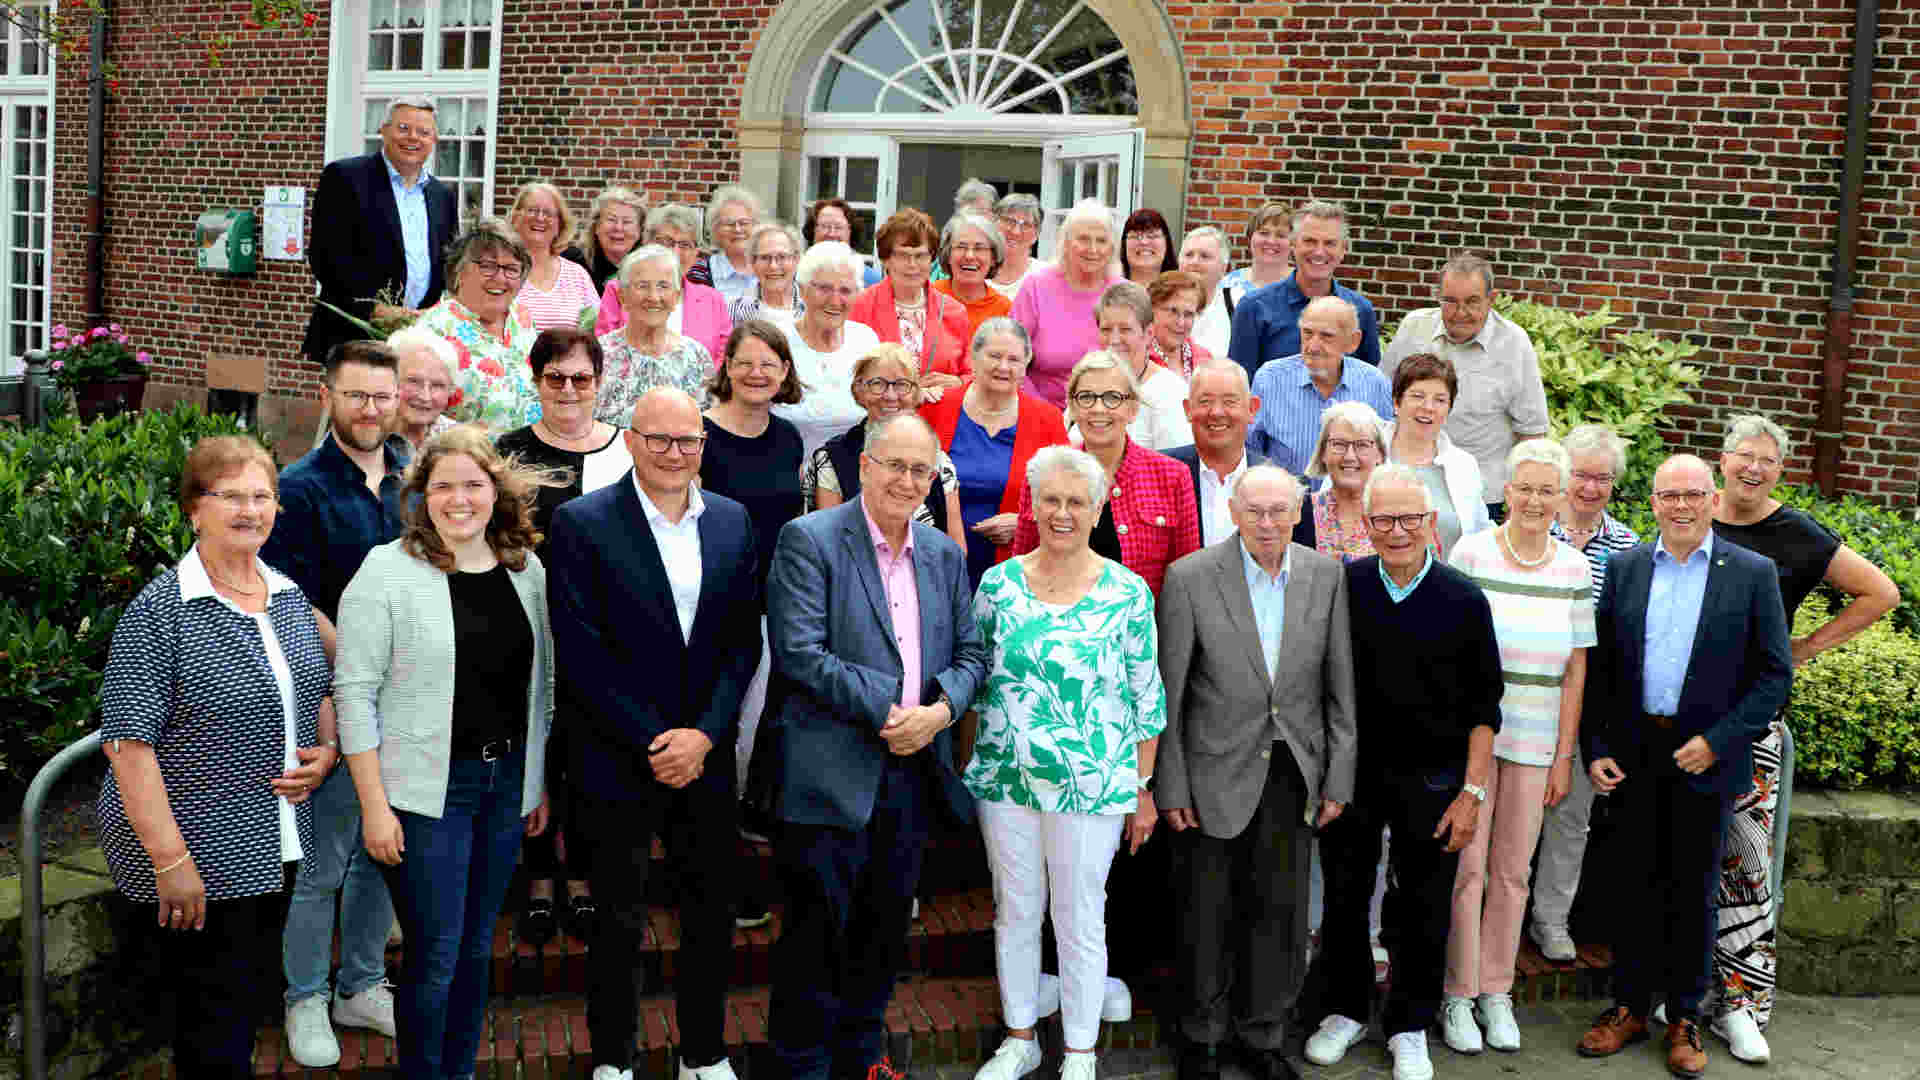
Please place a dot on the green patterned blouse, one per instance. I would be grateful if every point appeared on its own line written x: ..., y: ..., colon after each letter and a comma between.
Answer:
x: 1070, y: 692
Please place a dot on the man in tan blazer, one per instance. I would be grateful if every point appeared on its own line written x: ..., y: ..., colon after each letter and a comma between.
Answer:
x: 1259, y: 750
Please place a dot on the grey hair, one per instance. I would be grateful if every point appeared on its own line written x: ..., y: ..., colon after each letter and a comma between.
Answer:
x: 973, y: 191
x: 1597, y: 439
x: 1357, y: 414
x: 1055, y: 458
x: 1752, y: 425
x: 1466, y: 262
x: 409, y: 101
x: 1542, y: 452
x: 1002, y: 324
x: 1021, y: 204
x: 1226, y: 367
x: 1226, y: 245
x: 613, y: 195
x: 886, y: 428
x: 647, y: 253
x: 673, y: 216
x: 487, y: 234
x: 827, y: 255
x: 1100, y: 360
x: 970, y: 219
x: 1323, y: 210
x: 415, y: 336
x: 1087, y: 211
x: 729, y: 193
x: 1126, y: 294
x: 1393, y: 473
x: 768, y: 228
x: 1296, y: 490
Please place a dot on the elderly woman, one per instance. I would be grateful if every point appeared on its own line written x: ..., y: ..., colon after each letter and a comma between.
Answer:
x: 991, y: 428
x: 557, y: 291
x: 1424, y: 390
x: 775, y: 251
x: 613, y: 229
x: 970, y: 254
x: 427, y: 369
x: 1062, y: 760
x: 702, y: 313
x: 1177, y: 298
x: 1019, y: 219
x: 1353, y: 442
x: 490, y: 335
x: 832, y: 220
x: 647, y: 352
x: 932, y: 325
x: 445, y: 679
x: 1147, y: 248
x: 1270, y: 237
x: 1122, y: 316
x: 1542, y: 600
x: 217, y: 681
x: 1057, y: 299
x: 826, y: 344
x: 732, y: 213
x: 1150, y: 519
x: 886, y: 385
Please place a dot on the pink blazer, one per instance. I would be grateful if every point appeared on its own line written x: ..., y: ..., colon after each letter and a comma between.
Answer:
x: 703, y: 315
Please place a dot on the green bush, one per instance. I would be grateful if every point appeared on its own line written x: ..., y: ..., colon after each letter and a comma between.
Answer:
x: 1855, y: 712
x: 87, y: 518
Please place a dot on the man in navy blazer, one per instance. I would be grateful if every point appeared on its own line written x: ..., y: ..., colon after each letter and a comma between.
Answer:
x: 870, y: 619
x: 1693, y: 662
x: 656, y: 628
x: 380, y: 221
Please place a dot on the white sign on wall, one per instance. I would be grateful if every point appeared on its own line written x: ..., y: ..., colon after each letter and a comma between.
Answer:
x: 283, y: 223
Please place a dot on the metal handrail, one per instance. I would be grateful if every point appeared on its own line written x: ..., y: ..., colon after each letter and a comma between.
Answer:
x: 1783, y: 792
x: 33, y: 931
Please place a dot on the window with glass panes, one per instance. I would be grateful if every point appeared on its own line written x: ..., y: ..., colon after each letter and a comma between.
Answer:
x: 26, y: 178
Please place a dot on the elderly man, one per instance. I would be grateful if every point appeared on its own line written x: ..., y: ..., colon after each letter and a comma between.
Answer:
x: 427, y: 366
x: 871, y: 622
x: 1267, y: 323
x: 1693, y: 663
x: 1427, y: 675
x: 1254, y: 733
x: 1204, y: 254
x: 1501, y: 400
x: 1220, y: 407
x: 1294, y: 390
x: 380, y: 221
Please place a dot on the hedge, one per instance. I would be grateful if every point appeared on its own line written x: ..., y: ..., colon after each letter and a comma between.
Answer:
x: 1855, y: 711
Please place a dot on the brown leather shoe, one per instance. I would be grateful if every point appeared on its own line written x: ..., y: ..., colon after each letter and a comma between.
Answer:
x: 1685, y: 1056
x: 1612, y: 1032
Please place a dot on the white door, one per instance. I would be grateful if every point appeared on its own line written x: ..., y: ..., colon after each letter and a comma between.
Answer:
x: 1105, y: 167
x: 861, y: 169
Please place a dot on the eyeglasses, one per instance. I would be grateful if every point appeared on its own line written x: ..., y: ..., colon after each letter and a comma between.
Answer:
x: 913, y: 258
x: 612, y: 222
x: 736, y: 224
x: 1763, y: 462
x: 920, y: 474
x: 1471, y: 305
x: 1340, y: 448
x: 660, y: 442
x: 775, y: 257
x: 1267, y: 514
x: 539, y: 212
x: 1689, y: 497
x: 763, y: 367
x: 1112, y: 399
x: 1014, y: 224
x: 1181, y: 315
x: 1528, y: 491
x: 241, y: 500
x: 418, y: 384
x: 425, y: 131
x: 1600, y: 478
x: 877, y: 387
x: 678, y: 245
x: 558, y: 380
x: 1384, y: 523
x: 360, y: 399
x: 964, y: 250
x: 510, y: 271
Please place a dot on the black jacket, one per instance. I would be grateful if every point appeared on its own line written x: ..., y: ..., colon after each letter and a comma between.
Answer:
x: 357, y: 249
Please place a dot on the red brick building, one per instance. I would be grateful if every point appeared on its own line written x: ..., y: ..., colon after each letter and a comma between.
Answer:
x: 1681, y: 162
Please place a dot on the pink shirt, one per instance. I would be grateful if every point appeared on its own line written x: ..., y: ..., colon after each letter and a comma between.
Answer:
x: 1060, y: 321
x: 903, y: 602
x: 572, y: 290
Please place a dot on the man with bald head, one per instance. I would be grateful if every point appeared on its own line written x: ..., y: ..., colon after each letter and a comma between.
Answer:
x: 1220, y: 408
x: 1254, y: 733
x: 1694, y: 660
x: 870, y: 618
x: 656, y: 629
x: 1295, y: 390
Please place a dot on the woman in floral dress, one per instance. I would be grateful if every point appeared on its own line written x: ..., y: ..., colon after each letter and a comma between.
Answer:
x: 647, y: 351
x: 490, y: 334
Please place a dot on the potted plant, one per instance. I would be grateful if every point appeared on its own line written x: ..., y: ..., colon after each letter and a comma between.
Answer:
x: 101, y: 369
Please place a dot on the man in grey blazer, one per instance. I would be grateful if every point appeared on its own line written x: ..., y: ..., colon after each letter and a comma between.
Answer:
x: 1259, y: 750
x: 870, y: 619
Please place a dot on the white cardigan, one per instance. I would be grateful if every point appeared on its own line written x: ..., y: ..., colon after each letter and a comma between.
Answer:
x: 1464, y: 485
x: 393, y: 678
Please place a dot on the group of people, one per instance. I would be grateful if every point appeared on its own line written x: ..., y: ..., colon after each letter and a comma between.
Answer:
x: 1106, y: 547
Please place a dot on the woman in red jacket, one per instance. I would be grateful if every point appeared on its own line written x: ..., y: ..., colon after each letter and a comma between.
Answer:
x: 932, y: 325
x: 990, y: 428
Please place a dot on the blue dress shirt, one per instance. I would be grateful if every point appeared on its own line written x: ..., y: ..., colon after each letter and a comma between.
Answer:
x: 1673, y: 615
x: 1269, y: 595
x: 1266, y: 324
x: 412, y: 202
x: 1397, y: 592
x: 1290, y: 406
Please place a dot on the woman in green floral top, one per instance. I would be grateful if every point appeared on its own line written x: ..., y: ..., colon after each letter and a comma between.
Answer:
x: 489, y: 333
x: 1070, y: 716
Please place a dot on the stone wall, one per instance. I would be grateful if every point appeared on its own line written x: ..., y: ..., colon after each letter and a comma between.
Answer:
x: 1851, y: 924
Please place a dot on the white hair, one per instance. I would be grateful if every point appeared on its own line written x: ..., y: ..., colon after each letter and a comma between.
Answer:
x: 1296, y: 490
x: 1395, y: 474
x: 769, y: 228
x: 1086, y: 212
x: 1752, y: 426
x: 1355, y: 414
x: 975, y: 190
x: 969, y: 219
x: 1056, y: 458
x: 647, y: 253
x: 729, y: 193
x: 1542, y: 452
x: 827, y: 255
x: 1597, y: 439
x: 1226, y: 245
x: 419, y: 337
x: 674, y: 216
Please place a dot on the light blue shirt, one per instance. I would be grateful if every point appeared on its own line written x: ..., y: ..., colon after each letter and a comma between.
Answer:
x: 412, y: 202
x: 1673, y: 614
x: 1397, y: 592
x: 733, y: 283
x: 1269, y: 595
x: 1288, y: 426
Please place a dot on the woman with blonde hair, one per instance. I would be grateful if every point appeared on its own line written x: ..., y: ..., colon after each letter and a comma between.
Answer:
x: 556, y: 291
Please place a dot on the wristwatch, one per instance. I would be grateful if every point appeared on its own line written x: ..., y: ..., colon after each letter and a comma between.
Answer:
x: 1479, y: 793
x: 953, y: 714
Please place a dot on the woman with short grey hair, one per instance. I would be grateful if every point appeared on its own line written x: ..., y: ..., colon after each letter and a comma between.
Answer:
x: 1124, y: 318
x: 774, y: 248
x: 1057, y: 301
x: 1351, y: 448
x: 826, y: 345
x: 647, y: 351
x: 478, y: 316
x: 1019, y: 219
x: 702, y: 312
x: 971, y: 251
x: 732, y: 213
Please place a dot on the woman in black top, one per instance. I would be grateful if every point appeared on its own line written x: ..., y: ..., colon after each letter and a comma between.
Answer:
x: 886, y: 383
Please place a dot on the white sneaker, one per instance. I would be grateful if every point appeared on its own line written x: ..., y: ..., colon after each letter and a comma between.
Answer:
x: 1659, y: 1014
x: 1336, y: 1036
x: 1742, y: 1036
x: 309, y: 1035
x: 722, y: 1070
x: 371, y: 1008
x: 608, y: 1072
x: 1049, y: 995
x: 1015, y: 1059
x: 1410, y: 1060
x: 1457, y: 1026
x: 1077, y: 1067
x: 1495, y: 1013
x: 1554, y: 941
x: 1117, y: 1006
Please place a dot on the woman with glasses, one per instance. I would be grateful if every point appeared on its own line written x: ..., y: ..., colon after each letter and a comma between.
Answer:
x: 831, y: 220
x: 491, y: 336
x: 1424, y: 390
x: 702, y: 311
x: 1123, y: 317
x: 1146, y: 246
x: 931, y: 324
x: 1177, y: 299
x: 613, y: 229
x: 732, y: 213
x: 1353, y: 442
x: 970, y: 254
x: 1018, y: 216
x: 826, y: 344
x: 557, y: 291
x: 886, y: 384
x: 647, y: 351
x: 775, y: 251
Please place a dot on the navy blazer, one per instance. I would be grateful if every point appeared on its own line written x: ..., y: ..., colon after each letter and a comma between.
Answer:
x: 832, y: 640
x: 1737, y: 677
x: 624, y: 673
x: 1189, y: 455
x: 357, y: 249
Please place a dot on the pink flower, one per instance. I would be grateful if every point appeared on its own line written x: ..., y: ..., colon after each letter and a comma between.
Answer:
x: 122, y: 338
x: 59, y: 330
x: 58, y: 364
x: 144, y: 357
x: 97, y: 332
x: 115, y: 328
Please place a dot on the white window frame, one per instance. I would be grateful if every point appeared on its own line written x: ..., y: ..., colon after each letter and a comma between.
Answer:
x: 1113, y: 160
x: 32, y: 91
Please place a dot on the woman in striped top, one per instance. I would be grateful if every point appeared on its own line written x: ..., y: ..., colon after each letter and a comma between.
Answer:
x: 556, y: 291
x: 1543, y: 619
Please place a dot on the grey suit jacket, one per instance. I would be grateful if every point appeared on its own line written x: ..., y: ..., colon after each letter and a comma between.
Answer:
x: 1225, y: 712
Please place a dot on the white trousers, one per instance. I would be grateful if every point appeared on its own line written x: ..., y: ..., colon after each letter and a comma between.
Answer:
x: 1051, y: 862
x: 1563, y: 845
x: 750, y: 708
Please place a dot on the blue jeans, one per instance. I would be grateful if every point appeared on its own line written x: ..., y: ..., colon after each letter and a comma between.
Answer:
x: 337, y: 865
x: 448, y: 889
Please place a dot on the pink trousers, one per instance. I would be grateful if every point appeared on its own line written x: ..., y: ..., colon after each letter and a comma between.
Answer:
x: 1490, y: 890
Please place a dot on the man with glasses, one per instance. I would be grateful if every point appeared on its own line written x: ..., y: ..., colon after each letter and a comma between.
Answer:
x: 336, y: 504
x: 380, y: 221
x: 1428, y: 683
x: 1294, y: 390
x: 656, y: 632
x: 1502, y: 400
x: 1693, y: 663
x: 870, y: 617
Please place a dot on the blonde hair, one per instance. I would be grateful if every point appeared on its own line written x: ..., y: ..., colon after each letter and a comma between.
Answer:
x: 563, y: 235
x: 510, y: 532
x: 611, y: 196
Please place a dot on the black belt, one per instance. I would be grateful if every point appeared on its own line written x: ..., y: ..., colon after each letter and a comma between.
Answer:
x: 1664, y: 723
x: 491, y: 751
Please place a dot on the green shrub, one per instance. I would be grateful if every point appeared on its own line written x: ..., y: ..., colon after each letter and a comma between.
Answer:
x: 1889, y: 539
x: 87, y: 518
x: 1855, y: 712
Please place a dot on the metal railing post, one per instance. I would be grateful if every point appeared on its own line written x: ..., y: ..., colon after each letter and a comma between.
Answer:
x: 1782, y: 810
x: 33, y: 932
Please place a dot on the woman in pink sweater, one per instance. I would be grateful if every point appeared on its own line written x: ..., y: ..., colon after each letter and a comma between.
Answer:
x: 1056, y: 301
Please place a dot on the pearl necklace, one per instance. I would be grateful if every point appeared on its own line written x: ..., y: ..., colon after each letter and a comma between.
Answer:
x: 1507, y: 542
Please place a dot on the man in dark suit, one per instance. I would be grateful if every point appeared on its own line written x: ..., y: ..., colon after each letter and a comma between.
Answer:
x: 1694, y: 660
x: 380, y: 221
x: 656, y: 627
x: 870, y: 619
x: 1220, y: 406
x: 1259, y: 749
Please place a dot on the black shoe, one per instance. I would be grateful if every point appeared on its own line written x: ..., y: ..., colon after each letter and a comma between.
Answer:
x: 1200, y: 1061
x: 582, y: 916
x: 1268, y: 1064
x: 538, y: 924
